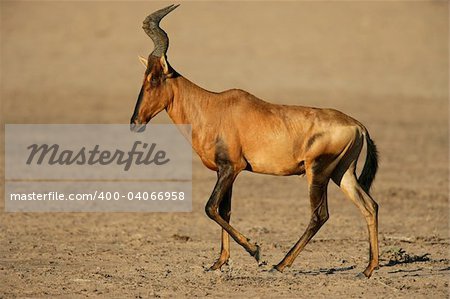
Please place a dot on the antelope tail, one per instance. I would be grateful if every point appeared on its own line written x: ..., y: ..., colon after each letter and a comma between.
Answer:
x: 370, y: 166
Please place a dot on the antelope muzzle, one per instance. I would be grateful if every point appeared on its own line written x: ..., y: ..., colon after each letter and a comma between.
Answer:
x: 136, y: 127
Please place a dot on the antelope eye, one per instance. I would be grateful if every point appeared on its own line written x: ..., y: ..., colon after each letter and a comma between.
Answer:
x: 154, y: 81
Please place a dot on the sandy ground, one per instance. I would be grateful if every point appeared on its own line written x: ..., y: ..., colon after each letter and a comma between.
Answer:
x: 384, y: 63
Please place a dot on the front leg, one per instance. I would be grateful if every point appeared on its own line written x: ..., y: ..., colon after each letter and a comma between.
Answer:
x: 225, y: 213
x: 226, y: 176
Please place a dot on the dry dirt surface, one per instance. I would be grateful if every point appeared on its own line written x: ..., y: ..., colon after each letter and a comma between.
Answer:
x: 384, y: 63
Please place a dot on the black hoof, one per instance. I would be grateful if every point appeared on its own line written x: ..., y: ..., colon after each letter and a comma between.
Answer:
x: 361, y: 275
x: 275, y: 270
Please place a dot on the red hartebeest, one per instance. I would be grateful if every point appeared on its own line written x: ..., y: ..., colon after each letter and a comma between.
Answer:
x: 234, y: 131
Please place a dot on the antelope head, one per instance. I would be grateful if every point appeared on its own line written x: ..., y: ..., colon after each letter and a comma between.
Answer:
x: 155, y: 93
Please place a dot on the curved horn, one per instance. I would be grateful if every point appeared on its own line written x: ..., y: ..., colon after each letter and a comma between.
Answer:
x: 159, y: 36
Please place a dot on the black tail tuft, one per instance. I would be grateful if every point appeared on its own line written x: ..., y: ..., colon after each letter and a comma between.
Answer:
x: 370, y: 166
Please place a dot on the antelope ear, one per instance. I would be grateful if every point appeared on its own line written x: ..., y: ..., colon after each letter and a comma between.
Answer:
x: 164, y: 64
x: 143, y: 61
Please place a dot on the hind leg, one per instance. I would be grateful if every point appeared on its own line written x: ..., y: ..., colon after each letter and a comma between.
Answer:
x: 369, y: 208
x: 319, y: 215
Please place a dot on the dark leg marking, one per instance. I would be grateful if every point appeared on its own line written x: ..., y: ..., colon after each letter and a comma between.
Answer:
x: 225, y: 213
x: 322, y: 162
x: 225, y: 178
x: 350, y: 156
